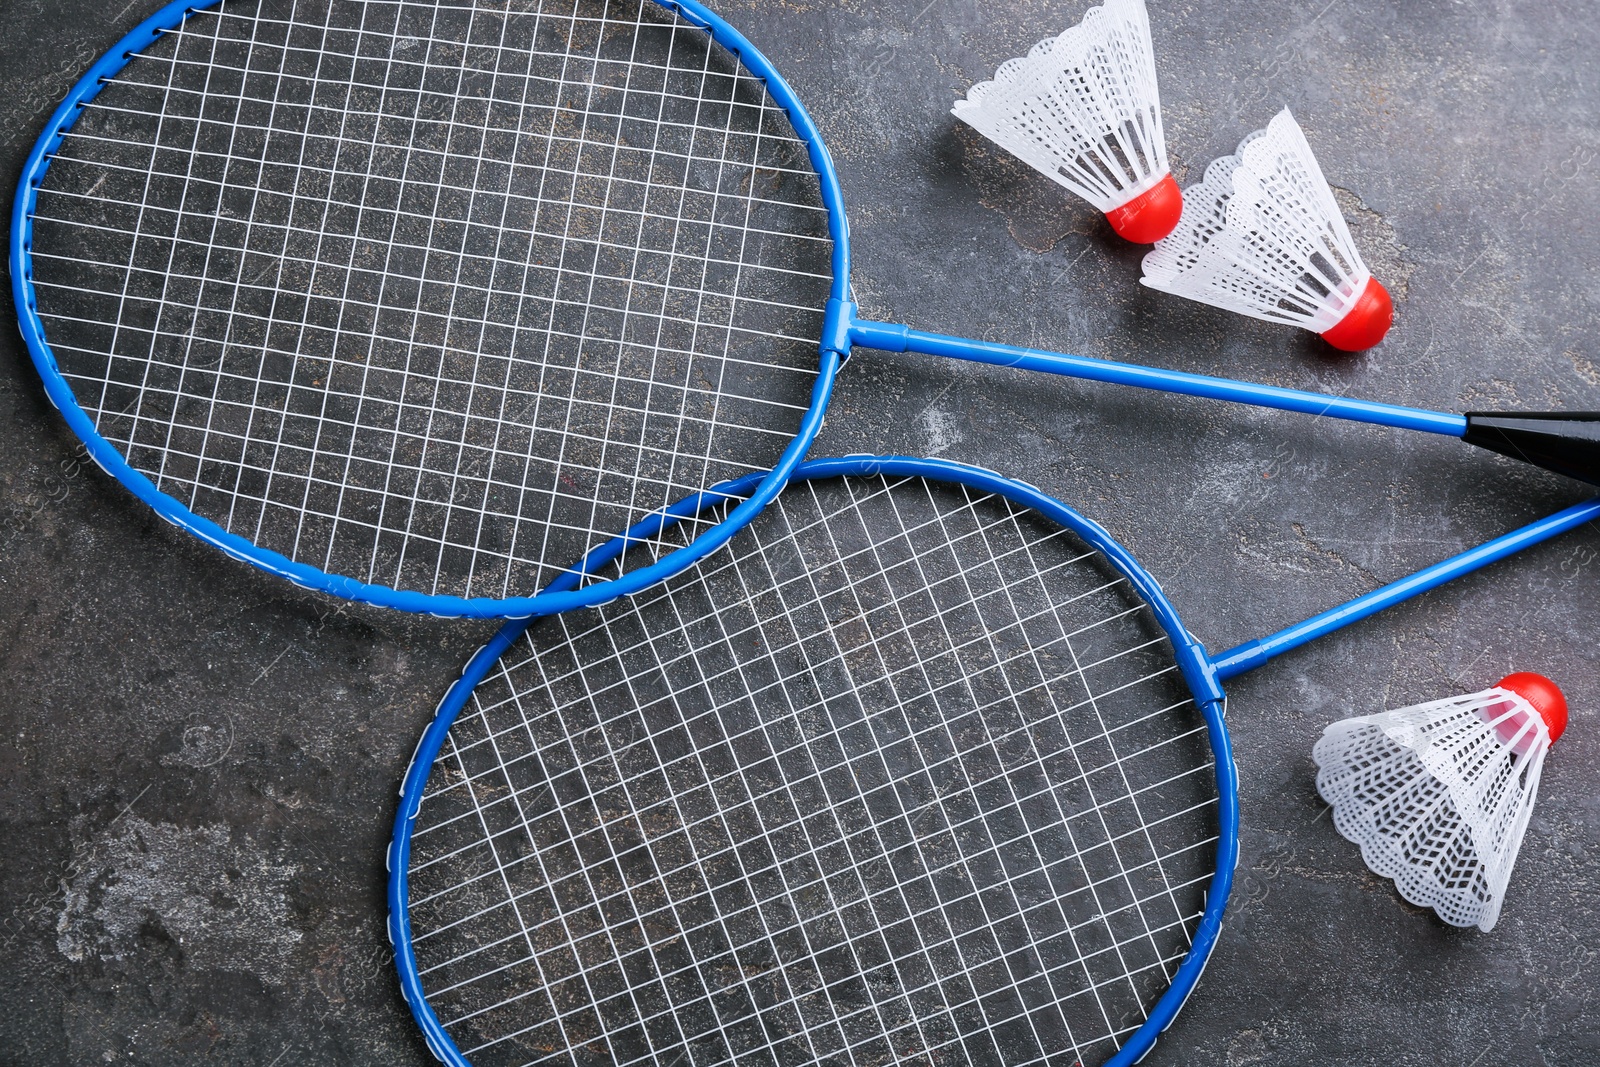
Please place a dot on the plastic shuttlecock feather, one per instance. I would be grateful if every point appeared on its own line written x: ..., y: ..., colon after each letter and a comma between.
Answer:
x: 1083, y: 110
x: 1438, y: 795
x: 1262, y: 235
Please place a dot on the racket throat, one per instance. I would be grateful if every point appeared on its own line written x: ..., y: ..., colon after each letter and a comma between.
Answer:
x: 839, y: 328
x: 1199, y: 670
x: 1567, y: 442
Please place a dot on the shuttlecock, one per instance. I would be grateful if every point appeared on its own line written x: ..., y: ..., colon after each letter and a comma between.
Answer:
x: 1438, y: 795
x: 1262, y: 235
x: 1082, y: 109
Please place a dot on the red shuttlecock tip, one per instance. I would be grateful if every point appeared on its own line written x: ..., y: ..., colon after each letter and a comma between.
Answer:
x: 1545, y: 697
x: 1366, y: 322
x: 1151, y: 215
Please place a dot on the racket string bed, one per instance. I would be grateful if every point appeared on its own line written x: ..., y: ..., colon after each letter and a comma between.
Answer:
x: 906, y: 776
x: 431, y: 294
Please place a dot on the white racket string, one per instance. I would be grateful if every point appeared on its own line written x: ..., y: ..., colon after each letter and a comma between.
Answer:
x: 435, y: 295
x: 905, y: 775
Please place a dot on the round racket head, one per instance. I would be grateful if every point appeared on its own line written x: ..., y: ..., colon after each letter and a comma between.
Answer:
x: 419, y: 302
x: 910, y: 773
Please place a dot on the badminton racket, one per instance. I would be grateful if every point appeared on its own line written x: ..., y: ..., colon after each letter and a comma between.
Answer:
x: 923, y: 768
x: 417, y: 302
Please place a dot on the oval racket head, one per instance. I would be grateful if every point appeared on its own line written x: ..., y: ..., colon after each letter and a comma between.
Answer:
x: 911, y: 773
x: 417, y: 302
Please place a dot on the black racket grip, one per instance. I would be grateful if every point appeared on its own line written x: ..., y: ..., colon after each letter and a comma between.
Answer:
x: 1567, y: 442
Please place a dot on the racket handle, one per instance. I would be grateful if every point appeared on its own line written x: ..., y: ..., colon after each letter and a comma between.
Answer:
x: 891, y: 338
x: 1567, y: 442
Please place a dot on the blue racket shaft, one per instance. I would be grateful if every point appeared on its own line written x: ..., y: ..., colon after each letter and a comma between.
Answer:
x: 891, y: 338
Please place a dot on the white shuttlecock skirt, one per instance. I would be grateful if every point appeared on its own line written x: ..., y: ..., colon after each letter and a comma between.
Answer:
x: 1081, y: 108
x: 1438, y: 796
x: 1262, y: 235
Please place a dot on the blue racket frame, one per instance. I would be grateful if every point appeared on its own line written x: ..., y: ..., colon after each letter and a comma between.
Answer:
x: 843, y: 331
x: 556, y: 597
x: 1203, y: 673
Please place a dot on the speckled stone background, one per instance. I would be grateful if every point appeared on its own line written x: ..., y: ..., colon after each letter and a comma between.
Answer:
x: 198, y: 762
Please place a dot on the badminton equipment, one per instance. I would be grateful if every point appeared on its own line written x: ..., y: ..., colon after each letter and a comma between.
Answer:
x: 1263, y: 236
x: 921, y: 767
x: 1083, y: 110
x: 420, y: 303
x: 1438, y: 795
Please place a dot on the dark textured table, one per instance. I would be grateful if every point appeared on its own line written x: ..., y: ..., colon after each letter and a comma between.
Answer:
x: 199, y: 761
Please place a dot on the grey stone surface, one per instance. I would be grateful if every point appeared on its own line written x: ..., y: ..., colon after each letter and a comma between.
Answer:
x: 198, y: 761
